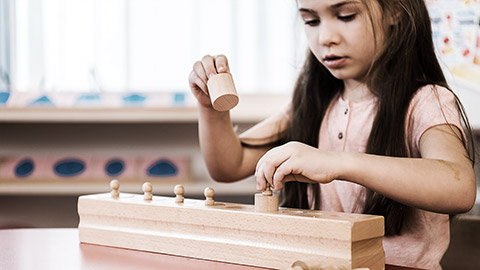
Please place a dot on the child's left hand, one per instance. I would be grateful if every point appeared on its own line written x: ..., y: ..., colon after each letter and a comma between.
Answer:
x: 295, y: 161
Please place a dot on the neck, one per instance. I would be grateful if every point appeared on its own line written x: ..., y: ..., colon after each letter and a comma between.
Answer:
x: 356, y: 91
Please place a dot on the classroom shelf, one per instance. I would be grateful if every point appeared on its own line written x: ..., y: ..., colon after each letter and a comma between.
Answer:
x: 251, y: 108
x: 195, y: 187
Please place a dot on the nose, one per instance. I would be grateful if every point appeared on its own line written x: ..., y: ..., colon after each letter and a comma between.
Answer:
x: 328, y: 35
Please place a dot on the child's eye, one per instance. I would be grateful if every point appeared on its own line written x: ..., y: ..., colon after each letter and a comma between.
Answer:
x: 347, y: 18
x: 313, y: 22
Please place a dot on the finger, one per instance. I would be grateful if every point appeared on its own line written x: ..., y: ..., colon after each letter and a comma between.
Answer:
x: 280, y: 174
x: 298, y: 178
x: 270, y: 162
x: 268, y: 155
x: 221, y: 63
x: 290, y: 178
x: 197, y: 84
x: 209, y: 66
x: 268, y: 171
x: 260, y: 179
x: 200, y: 71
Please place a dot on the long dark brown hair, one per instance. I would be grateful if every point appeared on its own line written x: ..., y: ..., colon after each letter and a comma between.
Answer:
x: 405, y: 63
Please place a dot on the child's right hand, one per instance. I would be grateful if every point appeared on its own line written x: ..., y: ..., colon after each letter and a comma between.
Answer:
x: 202, y: 71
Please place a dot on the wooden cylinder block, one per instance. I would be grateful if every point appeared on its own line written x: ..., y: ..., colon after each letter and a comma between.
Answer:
x: 222, y: 92
x: 265, y: 203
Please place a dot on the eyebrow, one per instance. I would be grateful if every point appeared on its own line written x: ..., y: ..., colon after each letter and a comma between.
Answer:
x: 332, y: 7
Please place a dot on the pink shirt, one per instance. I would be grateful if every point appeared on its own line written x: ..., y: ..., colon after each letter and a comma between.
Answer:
x: 346, y: 128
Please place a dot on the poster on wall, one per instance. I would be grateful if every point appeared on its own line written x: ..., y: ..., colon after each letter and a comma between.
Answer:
x: 455, y: 26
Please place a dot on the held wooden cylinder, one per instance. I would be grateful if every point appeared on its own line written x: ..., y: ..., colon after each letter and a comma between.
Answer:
x: 222, y: 92
x: 265, y: 203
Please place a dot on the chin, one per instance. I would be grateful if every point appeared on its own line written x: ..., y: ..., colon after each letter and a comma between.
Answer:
x: 341, y: 76
x: 344, y: 75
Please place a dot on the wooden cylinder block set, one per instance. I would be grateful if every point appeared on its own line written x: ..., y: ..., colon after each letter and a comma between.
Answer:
x: 263, y: 234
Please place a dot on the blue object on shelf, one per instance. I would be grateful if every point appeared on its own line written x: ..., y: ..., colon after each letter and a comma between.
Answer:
x: 4, y: 96
x: 69, y: 167
x: 42, y: 101
x: 114, y: 167
x: 25, y: 167
x: 179, y: 99
x: 89, y: 99
x: 162, y: 168
x: 134, y: 99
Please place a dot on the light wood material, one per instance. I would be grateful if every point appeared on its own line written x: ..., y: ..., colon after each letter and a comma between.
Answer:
x: 58, y: 249
x: 179, y: 190
x: 197, y: 186
x: 114, y: 185
x: 268, y: 191
x: 222, y: 92
x: 231, y: 232
x: 266, y: 203
x: 209, y: 193
x: 319, y: 264
x: 253, y: 108
x: 147, y: 189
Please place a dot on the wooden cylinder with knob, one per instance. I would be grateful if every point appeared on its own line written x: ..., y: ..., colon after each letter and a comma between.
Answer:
x: 266, y: 203
x: 222, y: 92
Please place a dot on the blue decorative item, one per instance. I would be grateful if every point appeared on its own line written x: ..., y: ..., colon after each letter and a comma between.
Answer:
x: 42, y: 101
x: 4, y: 96
x: 179, y: 99
x: 114, y: 167
x: 69, y: 167
x: 134, y: 99
x: 89, y: 99
x: 162, y: 168
x: 25, y: 167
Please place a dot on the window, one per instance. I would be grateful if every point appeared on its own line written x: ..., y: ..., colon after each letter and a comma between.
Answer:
x: 151, y: 45
x: 4, y: 47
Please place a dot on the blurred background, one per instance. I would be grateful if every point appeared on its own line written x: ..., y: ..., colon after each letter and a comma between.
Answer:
x: 96, y: 90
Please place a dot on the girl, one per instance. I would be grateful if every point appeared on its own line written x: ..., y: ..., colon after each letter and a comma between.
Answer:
x: 372, y: 128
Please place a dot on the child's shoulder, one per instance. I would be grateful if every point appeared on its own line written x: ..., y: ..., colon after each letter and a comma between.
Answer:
x: 433, y: 91
x: 432, y: 105
x: 432, y: 95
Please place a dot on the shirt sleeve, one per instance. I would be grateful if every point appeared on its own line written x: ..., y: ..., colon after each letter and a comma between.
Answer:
x: 431, y: 106
x: 266, y: 131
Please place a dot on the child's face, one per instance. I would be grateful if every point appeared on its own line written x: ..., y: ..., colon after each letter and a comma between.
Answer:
x: 341, y: 36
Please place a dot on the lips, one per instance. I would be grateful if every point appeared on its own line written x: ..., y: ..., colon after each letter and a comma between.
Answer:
x: 334, y: 61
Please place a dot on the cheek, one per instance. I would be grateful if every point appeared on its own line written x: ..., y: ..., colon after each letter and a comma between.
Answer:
x: 311, y: 37
x: 317, y: 53
x: 364, y: 42
x: 312, y: 40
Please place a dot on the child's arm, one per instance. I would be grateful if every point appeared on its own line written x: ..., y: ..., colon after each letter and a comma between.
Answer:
x: 441, y: 181
x: 224, y: 155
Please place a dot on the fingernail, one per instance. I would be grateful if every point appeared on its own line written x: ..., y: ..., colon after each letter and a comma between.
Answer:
x: 221, y: 69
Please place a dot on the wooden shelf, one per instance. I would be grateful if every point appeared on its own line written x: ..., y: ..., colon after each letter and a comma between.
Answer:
x: 197, y: 187
x: 251, y: 108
